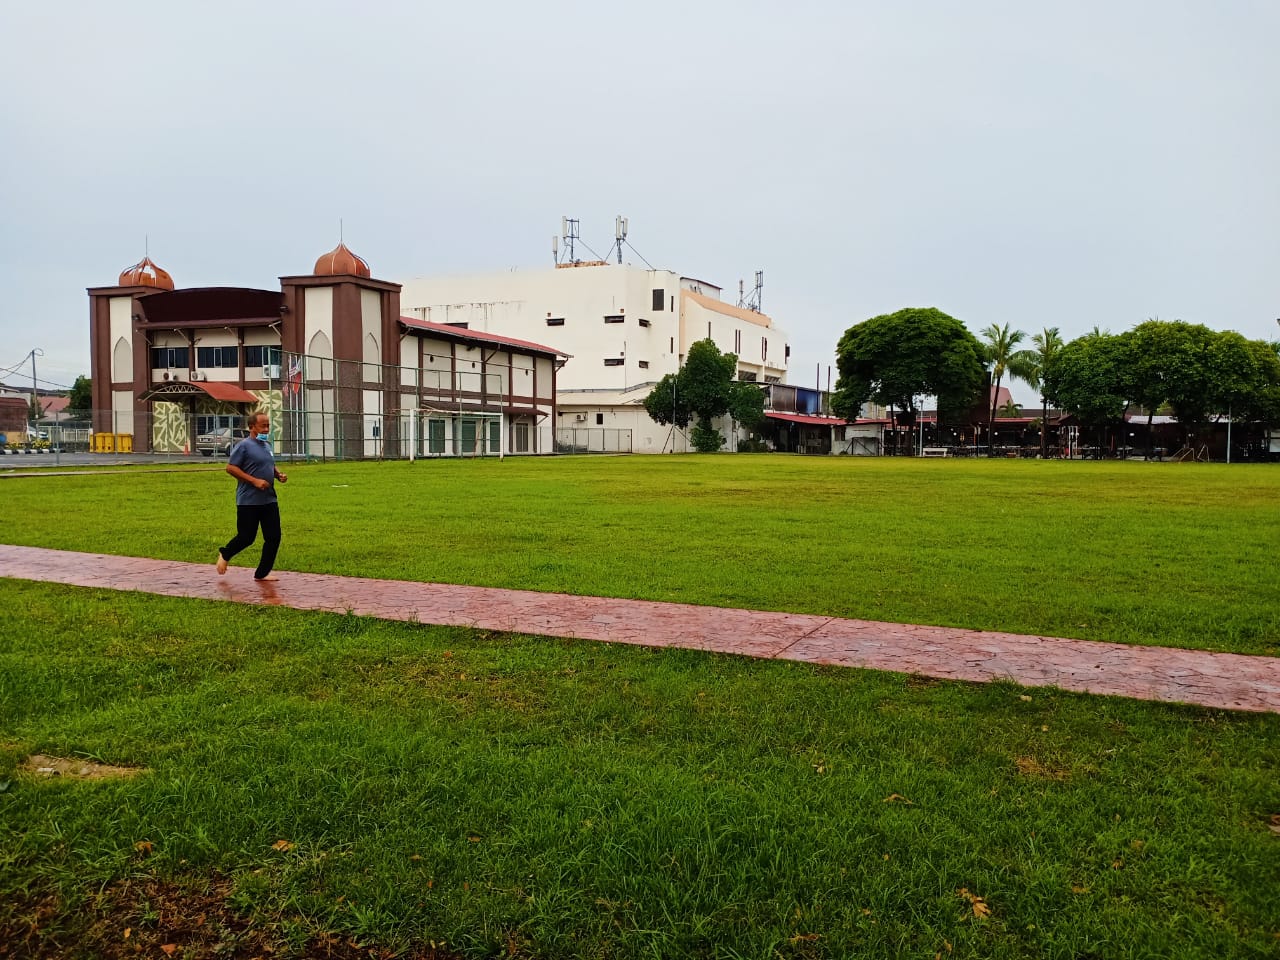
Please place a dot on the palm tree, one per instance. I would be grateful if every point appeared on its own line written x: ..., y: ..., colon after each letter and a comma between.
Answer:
x: 1032, y: 367
x: 1000, y: 349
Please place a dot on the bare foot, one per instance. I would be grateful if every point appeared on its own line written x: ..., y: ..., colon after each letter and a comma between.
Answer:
x: 269, y: 578
x: 222, y: 564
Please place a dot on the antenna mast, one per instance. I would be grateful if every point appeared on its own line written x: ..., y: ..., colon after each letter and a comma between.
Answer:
x: 569, y: 233
x: 753, y: 304
x: 619, y: 233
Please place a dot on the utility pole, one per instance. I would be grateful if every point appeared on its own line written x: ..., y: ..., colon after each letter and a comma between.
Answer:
x: 35, y: 403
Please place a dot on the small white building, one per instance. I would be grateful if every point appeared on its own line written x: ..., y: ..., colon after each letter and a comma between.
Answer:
x: 625, y: 327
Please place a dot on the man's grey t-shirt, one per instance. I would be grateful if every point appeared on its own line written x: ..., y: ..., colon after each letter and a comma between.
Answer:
x: 254, y: 457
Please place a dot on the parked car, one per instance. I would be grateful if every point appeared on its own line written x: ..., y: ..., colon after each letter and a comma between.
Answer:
x: 220, y: 441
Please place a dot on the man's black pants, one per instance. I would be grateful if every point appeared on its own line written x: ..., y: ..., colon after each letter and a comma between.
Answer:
x: 247, y: 521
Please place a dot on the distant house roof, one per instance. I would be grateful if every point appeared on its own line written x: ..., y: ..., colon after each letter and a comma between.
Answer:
x: 463, y: 334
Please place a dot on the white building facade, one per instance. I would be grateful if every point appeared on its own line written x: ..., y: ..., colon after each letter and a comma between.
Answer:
x: 624, y: 327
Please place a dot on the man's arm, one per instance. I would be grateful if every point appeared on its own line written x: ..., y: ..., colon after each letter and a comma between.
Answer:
x: 280, y: 476
x: 241, y: 475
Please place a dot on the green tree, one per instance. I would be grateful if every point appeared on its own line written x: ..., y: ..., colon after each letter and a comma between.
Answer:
x: 700, y: 390
x: 1246, y: 378
x: 1090, y: 379
x: 1171, y: 362
x: 895, y: 358
x: 81, y: 397
x: 1000, y: 351
x: 1035, y: 365
x: 666, y: 404
x: 746, y: 404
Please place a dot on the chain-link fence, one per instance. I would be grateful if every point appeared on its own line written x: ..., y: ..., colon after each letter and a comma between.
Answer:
x: 593, y: 440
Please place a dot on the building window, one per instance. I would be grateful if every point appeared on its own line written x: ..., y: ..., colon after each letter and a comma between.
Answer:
x: 435, y: 436
x: 747, y: 375
x: 599, y: 419
x: 169, y: 358
x: 613, y: 361
x: 261, y: 356
x: 737, y: 341
x: 788, y: 353
x: 764, y: 348
x: 217, y: 357
x: 555, y: 321
x: 643, y: 364
x: 614, y: 318
x: 659, y: 298
x: 772, y: 379
x: 643, y: 322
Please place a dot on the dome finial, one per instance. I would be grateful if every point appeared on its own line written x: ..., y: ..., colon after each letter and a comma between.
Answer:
x: 145, y: 273
x: 341, y: 261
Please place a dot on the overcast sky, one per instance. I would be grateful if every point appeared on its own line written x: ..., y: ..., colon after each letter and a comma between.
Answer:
x: 1069, y: 164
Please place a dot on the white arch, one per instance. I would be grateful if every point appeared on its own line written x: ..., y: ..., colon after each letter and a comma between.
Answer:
x: 122, y: 361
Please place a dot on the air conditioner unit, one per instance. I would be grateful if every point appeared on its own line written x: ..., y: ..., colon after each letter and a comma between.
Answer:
x: 271, y: 371
x: 203, y: 376
x: 580, y: 417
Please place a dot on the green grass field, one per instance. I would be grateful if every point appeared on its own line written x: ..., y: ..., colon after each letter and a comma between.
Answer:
x: 1149, y: 553
x: 513, y: 796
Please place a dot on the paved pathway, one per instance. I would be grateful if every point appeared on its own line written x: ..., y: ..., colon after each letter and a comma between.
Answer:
x: 1226, y: 680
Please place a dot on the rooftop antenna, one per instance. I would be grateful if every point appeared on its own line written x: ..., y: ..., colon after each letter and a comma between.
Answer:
x: 757, y: 294
x: 742, y: 297
x: 619, y: 233
x: 569, y: 232
x: 555, y: 249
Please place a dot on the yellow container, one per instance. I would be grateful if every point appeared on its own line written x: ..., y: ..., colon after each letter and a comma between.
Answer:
x: 103, y: 443
x: 124, y: 443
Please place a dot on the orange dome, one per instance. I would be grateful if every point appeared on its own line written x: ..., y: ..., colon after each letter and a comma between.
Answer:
x: 341, y: 261
x: 146, y: 274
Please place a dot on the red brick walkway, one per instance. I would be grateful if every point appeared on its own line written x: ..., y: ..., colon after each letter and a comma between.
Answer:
x: 1226, y: 680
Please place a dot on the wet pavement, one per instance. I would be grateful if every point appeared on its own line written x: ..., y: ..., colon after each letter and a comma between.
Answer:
x: 1225, y: 680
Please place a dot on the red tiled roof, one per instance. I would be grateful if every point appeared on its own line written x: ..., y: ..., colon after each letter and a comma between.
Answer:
x: 464, y: 334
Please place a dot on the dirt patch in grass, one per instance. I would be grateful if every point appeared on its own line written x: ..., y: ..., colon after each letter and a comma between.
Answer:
x: 39, y: 765
x: 1031, y: 767
x: 190, y: 919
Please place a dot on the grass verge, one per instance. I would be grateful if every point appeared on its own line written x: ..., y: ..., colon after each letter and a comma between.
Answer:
x: 395, y: 785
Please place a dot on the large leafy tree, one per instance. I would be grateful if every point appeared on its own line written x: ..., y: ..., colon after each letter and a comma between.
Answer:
x: 700, y: 390
x: 1246, y: 378
x: 1000, y: 350
x: 746, y: 404
x: 1035, y: 365
x: 895, y: 358
x: 1090, y: 378
x: 666, y: 403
